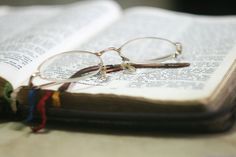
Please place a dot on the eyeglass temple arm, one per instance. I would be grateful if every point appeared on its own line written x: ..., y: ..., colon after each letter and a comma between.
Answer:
x: 118, y: 67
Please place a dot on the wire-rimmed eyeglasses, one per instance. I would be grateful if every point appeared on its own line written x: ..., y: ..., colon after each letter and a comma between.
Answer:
x: 73, y: 66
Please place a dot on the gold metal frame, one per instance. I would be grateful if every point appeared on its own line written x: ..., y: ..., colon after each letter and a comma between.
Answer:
x: 126, y: 64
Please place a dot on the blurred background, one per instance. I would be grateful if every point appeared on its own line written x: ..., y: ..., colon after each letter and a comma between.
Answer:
x: 207, y: 7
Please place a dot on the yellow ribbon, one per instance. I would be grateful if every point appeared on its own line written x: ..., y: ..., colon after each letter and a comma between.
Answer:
x: 56, y: 101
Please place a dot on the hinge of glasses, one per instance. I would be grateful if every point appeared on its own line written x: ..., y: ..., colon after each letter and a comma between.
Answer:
x: 108, y: 49
x: 32, y: 77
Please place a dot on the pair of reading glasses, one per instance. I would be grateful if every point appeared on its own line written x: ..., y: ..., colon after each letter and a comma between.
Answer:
x: 76, y: 66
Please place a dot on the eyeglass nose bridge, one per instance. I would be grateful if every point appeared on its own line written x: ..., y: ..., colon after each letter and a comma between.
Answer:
x: 100, y: 53
x: 118, y: 50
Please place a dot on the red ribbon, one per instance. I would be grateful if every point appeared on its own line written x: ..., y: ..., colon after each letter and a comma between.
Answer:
x: 41, y: 108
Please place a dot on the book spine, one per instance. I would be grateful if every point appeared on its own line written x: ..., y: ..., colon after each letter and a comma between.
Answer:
x: 5, y: 97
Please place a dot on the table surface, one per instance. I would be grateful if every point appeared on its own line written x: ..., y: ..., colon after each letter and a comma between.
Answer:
x: 16, y: 140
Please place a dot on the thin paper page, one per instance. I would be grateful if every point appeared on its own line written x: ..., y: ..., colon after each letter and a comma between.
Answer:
x: 207, y: 43
x: 50, y: 30
x: 24, y: 19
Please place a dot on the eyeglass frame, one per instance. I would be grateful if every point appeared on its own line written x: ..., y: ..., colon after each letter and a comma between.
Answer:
x: 126, y: 64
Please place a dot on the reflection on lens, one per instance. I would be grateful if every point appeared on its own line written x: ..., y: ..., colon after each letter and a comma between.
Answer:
x: 74, y: 64
x: 148, y: 49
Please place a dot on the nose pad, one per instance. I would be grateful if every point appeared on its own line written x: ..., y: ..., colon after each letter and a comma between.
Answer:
x: 128, y: 68
x: 103, y: 74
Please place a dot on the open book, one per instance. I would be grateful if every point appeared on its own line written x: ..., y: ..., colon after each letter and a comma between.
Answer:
x: 30, y: 35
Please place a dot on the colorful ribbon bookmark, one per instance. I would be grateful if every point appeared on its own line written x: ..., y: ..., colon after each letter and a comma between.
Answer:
x: 32, y: 104
x: 41, y: 108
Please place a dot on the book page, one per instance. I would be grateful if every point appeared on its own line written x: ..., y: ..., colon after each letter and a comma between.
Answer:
x: 29, y: 35
x: 208, y: 44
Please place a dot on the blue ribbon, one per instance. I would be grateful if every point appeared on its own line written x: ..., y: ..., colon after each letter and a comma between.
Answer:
x: 32, y: 104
